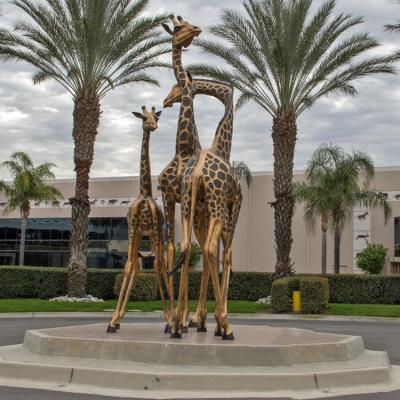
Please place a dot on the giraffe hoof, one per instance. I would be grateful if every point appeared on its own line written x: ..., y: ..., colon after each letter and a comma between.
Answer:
x: 111, y: 329
x: 193, y: 324
x: 167, y: 328
x: 185, y: 329
x: 228, y: 337
x: 218, y: 331
x: 175, y: 335
x: 201, y: 329
x: 117, y: 326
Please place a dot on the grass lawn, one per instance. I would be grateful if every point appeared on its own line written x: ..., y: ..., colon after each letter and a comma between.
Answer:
x: 234, y: 306
x: 371, y: 310
x: 37, y: 305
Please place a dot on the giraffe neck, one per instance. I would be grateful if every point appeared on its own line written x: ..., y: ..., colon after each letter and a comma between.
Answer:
x: 145, y: 172
x: 187, y: 139
x: 222, y: 142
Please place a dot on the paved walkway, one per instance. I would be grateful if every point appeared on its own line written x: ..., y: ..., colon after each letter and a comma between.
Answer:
x: 378, y: 335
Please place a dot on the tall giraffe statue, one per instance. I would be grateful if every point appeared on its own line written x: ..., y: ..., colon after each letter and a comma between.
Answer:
x: 187, y: 141
x: 144, y: 218
x: 208, y: 180
x: 222, y: 147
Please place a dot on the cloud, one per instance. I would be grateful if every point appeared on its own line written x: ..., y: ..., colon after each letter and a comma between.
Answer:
x: 38, y: 119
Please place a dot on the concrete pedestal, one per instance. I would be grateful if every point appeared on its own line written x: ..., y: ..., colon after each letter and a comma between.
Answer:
x: 139, y: 357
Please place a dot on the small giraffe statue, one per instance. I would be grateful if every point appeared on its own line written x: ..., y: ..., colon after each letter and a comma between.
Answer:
x: 187, y: 141
x: 222, y: 147
x: 144, y: 218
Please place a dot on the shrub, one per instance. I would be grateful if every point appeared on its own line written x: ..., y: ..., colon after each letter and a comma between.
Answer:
x: 48, y: 282
x: 145, y: 287
x: 314, y: 294
x: 195, y: 253
x: 391, y: 290
x: 372, y: 259
x: 281, y: 294
x: 357, y: 289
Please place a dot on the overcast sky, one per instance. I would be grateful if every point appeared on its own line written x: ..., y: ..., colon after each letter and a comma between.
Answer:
x: 37, y: 119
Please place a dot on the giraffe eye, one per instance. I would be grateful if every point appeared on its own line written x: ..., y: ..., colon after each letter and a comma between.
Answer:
x: 177, y: 29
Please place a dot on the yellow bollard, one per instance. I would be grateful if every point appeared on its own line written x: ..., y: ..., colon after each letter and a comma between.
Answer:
x: 296, y: 301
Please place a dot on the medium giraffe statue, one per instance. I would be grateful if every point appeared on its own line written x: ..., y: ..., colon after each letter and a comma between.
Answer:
x: 222, y: 147
x: 187, y: 141
x: 144, y: 218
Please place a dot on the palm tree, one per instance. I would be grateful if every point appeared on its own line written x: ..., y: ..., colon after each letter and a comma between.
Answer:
x: 89, y: 47
x: 242, y: 171
x: 285, y: 59
x: 29, y: 183
x: 336, y: 182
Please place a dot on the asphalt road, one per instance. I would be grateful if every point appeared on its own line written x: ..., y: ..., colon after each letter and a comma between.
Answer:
x: 382, y: 336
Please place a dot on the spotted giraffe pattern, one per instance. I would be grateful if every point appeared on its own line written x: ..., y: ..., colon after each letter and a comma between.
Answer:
x: 144, y: 218
x: 187, y: 144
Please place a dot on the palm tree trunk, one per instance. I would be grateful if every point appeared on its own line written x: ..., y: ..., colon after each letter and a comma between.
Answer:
x: 324, y: 228
x: 324, y: 252
x: 86, y: 120
x: 336, y: 254
x: 22, y: 241
x: 284, y: 132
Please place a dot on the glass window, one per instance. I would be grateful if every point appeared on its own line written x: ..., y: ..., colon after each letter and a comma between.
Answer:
x: 13, y: 229
x: 33, y: 230
x: 119, y: 229
x: 93, y: 228
x: 397, y: 230
x: 104, y: 229
x: 56, y: 229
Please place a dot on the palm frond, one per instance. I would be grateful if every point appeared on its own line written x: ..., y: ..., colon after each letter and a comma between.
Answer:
x: 284, y: 58
x: 88, y: 46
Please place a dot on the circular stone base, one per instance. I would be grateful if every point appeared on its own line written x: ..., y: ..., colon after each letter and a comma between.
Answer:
x: 254, y: 345
x: 262, y: 359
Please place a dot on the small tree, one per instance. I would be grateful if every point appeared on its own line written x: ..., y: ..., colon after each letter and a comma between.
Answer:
x: 336, y: 182
x: 372, y: 259
x: 195, y: 254
x: 29, y: 183
x: 242, y: 171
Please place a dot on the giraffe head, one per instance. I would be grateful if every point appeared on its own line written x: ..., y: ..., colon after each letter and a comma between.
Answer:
x: 175, y: 95
x: 150, y: 118
x: 183, y: 33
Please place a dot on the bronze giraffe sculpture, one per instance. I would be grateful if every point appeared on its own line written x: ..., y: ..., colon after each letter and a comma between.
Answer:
x: 144, y: 218
x: 222, y: 147
x: 187, y: 141
x: 210, y: 175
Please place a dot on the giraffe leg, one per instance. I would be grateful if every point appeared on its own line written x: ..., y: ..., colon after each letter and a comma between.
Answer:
x: 228, y: 240
x: 130, y: 272
x: 176, y: 331
x: 211, y: 250
x: 200, y: 317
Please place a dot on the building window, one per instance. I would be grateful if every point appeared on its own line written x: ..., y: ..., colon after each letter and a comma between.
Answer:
x: 397, y: 236
x: 47, y: 242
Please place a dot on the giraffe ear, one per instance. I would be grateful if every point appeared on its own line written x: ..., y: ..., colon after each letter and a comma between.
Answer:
x: 189, y: 75
x: 158, y: 113
x: 167, y: 28
x: 137, y: 114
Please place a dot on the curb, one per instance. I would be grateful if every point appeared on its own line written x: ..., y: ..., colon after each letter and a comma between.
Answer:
x: 236, y: 316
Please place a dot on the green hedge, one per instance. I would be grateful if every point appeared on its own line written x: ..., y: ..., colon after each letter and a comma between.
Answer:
x: 314, y: 294
x: 243, y: 285
x: 145, y: 287
x: 281, y: 294
x: 45, y: 283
